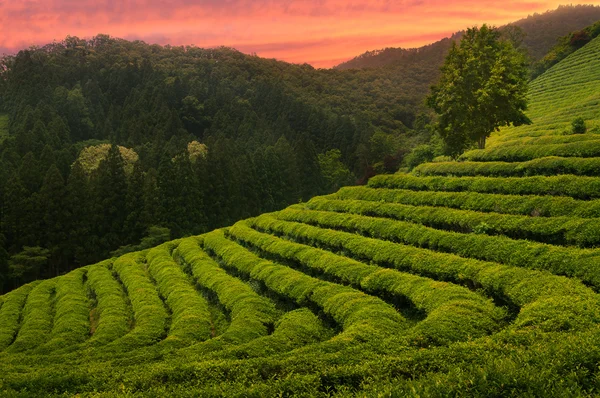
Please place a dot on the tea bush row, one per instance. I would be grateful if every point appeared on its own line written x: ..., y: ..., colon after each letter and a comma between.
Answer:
x: 517, y: 153
x: 572, y: 262
x: 541, y: 206
x: 38, y: 316
x: 453, y: 312
x: 546, y: 301
x: 190, y: 318
x: 357, y: 313
x: 577, y: 187
x: 582, y: 232
x: 548, y: 166
x: 150, y: 315
x: 111, y: 308
x: 72, y: 313
x: 10, y: 313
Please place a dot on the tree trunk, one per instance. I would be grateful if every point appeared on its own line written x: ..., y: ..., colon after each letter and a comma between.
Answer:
x: 482, y: 142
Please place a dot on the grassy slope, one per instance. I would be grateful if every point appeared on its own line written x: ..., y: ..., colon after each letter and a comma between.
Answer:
x: 416, y: 285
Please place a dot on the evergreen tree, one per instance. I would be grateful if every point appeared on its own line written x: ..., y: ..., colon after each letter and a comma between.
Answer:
x: 55, y: 221
x: 110, y: 209
x: 78, y: 205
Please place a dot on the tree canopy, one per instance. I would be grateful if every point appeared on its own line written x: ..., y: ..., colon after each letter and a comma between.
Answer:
x: 482, y: 88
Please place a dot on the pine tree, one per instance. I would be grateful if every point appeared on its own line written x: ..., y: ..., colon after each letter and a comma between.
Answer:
x: 55, y: 220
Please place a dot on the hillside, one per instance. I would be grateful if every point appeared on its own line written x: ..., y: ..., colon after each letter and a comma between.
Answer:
x: 541, y: 32
x: 456, y: 280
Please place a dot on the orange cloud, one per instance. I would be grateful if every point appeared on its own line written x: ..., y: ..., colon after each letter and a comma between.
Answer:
x: 320, y: 32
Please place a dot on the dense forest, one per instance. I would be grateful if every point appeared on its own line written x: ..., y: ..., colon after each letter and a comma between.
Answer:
x: 208, y: 137
x: 109, y: 146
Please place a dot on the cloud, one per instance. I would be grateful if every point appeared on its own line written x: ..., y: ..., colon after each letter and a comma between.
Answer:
x: 321, y: 32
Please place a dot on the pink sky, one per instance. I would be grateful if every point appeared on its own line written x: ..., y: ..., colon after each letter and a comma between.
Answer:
x: 320, y: 32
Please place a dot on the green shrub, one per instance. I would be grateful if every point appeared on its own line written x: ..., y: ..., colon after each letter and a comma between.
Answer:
x: 546, y: 206
x: 111, y: 311
x: 71, y: 324
x: 543, y: 298
x: 190, y: 318
x: 578, y: 126
x: 577, y: 187
x: 10, y: 313
x: 573, y: 262
x: 453, y: 312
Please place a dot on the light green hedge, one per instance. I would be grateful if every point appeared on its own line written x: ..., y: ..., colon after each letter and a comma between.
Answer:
x: 573, y: 262
x: 577, y: 187
x: 547, y: 166
x: 10, y: 313
x: 531, y: 205
x: 190, y: 318
x: 546, y: 301
x: 582, y: 232
x: 358, y: 314
x: 453, y: 312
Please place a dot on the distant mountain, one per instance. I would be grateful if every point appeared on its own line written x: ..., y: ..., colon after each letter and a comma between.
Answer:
x: 541, y: 34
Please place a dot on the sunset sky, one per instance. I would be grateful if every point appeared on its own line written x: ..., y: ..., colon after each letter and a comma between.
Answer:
x: 320, y: 32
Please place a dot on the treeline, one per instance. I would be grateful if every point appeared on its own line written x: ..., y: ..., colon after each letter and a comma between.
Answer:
x: 540, y: 35
x: 273, y: 134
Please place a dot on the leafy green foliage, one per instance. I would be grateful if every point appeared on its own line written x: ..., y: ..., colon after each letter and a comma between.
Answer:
x: 578, y: 126
x: 483, y: 87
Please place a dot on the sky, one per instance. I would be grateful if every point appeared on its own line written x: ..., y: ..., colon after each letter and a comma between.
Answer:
x: 322, y: 33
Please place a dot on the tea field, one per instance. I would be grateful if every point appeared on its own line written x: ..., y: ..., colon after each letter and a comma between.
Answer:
x: 478, y: 277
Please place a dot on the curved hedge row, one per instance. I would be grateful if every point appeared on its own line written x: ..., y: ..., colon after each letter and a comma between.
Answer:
x: 582, y: 232
x: 111, y: 306
x: 547, y: 166
x: 550, y: 302
x: 251, y: 314
x: 190, y: 319
x: 149, y: 313
x: 11, y: 313
x: 38, y: 316
x: 548, y: 139
x: 72, y: 313
x: 577, y: 187
x: 294, y: 329
x: 453, y: 312
x: 540, y: 206
x: 357, y: 313
x: 582, y: 149
x: 573, y: 262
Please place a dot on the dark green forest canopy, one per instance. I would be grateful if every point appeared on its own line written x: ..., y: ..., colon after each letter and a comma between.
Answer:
x: 271, y: 129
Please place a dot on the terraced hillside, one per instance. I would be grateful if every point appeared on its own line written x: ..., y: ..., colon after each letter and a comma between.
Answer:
x: 471, y: 278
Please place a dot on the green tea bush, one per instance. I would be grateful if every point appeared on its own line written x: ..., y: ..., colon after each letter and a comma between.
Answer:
x: 583, y: 232
x: 190, y: 318
x: 542, y: 166
x: 517, y: 153
x: 38, y: 317
x: 72, y: 313
x: 567, y: 185
x: 453, y: 312
x: 149, y: 312
x: 541, y: 206
x: 111, y: 308
x: 10, y: 313
x: 573, y: 262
